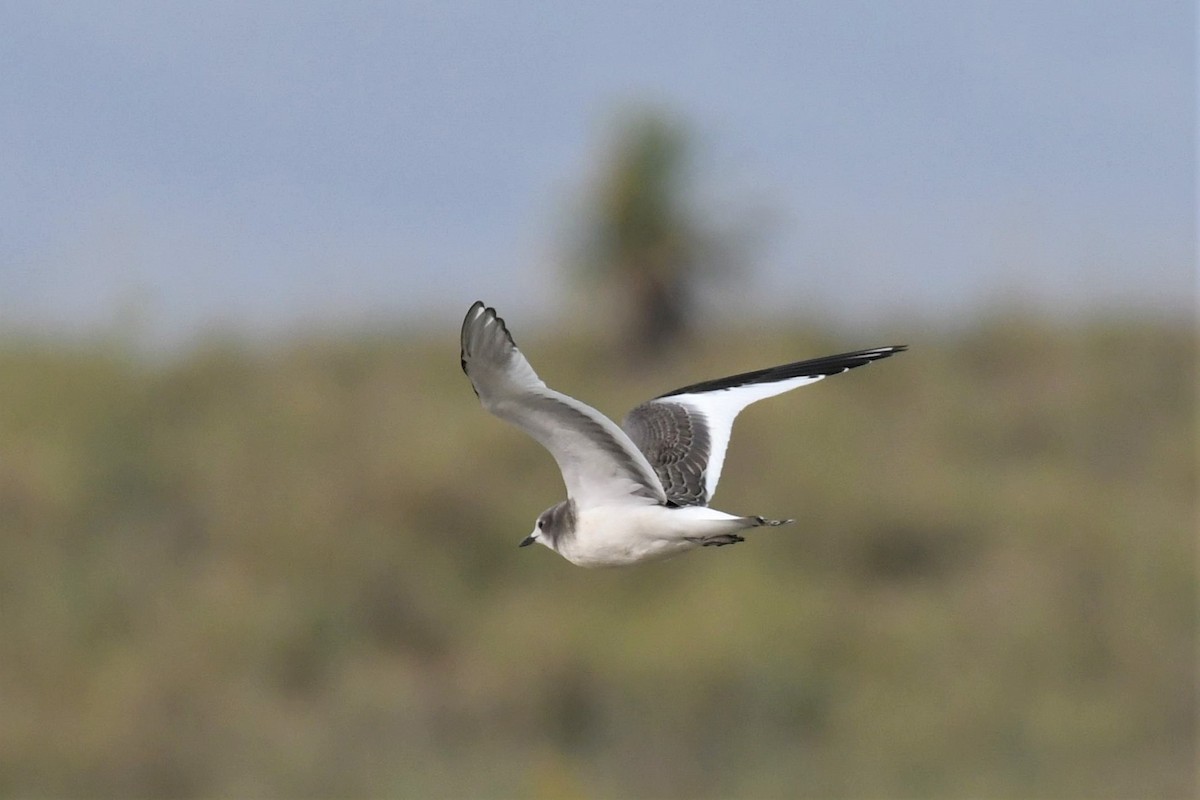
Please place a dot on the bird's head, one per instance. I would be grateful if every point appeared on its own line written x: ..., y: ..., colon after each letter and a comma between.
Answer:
x: 552, y: 525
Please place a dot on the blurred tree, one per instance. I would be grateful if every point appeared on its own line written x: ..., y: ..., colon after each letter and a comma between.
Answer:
x: 643, y: 238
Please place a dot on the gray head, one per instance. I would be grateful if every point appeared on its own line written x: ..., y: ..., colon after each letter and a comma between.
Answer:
x: 552, y: 525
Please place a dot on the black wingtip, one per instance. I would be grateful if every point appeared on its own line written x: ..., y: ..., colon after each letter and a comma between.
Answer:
x: 472, y: 313
x: 824, y: 366
x: 479, y: 310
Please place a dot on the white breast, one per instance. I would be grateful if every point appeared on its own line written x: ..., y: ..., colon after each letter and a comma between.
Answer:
x: 610, y: 536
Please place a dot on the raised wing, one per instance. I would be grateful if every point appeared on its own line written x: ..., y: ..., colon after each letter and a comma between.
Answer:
x: 599, y: 464
x: 685, y: 433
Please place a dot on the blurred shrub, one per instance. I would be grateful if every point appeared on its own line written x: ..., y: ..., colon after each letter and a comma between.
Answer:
x: 294, y: 572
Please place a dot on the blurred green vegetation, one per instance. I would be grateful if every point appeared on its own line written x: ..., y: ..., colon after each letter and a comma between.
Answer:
x: 291, y: 571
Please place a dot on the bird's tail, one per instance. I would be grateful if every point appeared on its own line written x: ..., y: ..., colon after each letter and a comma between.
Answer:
x: 760, y: 522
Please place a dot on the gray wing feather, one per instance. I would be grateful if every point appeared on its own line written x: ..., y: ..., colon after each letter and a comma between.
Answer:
x: 675, y: 440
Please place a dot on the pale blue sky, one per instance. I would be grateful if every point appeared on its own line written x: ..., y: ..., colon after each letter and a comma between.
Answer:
x: 268, y: 164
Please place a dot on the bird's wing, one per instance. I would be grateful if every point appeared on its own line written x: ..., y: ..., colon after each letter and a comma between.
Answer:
x: 685, y: 433
x: 599, y: 464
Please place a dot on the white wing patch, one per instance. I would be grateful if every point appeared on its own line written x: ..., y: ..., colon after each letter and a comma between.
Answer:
x: 718, y: 402
x: 720, y: 408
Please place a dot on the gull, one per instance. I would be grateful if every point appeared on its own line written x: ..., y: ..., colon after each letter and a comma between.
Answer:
x: 638, y: 492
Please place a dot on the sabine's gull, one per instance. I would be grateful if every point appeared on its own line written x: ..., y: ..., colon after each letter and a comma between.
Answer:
x: 638, y: 492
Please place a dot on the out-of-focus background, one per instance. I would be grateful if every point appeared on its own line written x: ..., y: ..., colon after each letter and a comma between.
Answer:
x: 257, y: 538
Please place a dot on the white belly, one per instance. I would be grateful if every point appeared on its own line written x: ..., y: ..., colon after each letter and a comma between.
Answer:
x: 611, y: 536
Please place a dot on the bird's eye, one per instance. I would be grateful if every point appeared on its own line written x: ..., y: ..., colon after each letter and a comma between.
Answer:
x: 541, y: 524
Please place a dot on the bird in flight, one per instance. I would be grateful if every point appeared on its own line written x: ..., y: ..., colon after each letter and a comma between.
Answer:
x: 637, y: 492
